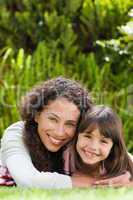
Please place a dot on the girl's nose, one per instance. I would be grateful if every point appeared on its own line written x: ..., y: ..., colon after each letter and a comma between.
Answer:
x: 94, y: 145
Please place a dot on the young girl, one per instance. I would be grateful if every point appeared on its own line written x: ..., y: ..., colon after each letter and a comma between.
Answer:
x: 99, y: 149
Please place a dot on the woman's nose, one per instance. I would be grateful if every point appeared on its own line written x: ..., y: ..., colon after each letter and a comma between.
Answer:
x: 60, y: 130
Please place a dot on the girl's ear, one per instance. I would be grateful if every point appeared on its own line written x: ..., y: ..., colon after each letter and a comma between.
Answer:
x: 112, y: 149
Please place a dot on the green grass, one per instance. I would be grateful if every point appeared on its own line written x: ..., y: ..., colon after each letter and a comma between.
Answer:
x: 66, y: 194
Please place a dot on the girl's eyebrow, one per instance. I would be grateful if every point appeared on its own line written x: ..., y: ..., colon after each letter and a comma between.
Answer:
x: 106, y: 138
x: 87, y: 131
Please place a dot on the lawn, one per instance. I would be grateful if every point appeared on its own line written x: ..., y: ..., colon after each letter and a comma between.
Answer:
x: 66, y: 194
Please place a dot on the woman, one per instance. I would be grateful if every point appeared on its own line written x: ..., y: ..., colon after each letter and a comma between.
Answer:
x: 99, y: 150
x: 32, y: 150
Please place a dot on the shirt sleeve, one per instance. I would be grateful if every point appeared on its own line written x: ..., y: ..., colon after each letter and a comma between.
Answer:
x: 130, y: 156
x: 15, y: 156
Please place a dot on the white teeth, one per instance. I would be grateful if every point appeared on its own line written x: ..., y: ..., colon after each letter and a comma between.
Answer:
x: 90, y: 154
x: 55, y: 141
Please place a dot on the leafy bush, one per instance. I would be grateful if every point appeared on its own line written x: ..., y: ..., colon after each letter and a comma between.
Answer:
x: 24, y: 24
x: 87, y: 40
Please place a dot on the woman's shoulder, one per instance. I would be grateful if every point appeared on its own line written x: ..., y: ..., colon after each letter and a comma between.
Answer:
x: 12, y: 141
x: 15, y: 129
x: 19, y: 124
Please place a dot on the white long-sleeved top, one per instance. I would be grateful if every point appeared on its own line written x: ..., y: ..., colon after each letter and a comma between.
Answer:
x: 15, y: 156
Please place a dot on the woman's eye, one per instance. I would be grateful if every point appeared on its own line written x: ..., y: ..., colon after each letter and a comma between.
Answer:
x: 53, y: 119
x: 71, y: 125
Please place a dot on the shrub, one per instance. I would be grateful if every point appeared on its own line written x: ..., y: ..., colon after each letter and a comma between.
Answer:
x: 87, y: 40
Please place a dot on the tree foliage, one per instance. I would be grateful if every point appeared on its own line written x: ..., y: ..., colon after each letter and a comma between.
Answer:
x: 88, y: 40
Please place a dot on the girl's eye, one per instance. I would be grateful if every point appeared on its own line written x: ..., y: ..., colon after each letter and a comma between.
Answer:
x: 88, y: 136
x: 104, y: 141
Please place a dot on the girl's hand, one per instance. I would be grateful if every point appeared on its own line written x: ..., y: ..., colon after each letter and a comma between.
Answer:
x: 5, y: 177
x: 119, y: 181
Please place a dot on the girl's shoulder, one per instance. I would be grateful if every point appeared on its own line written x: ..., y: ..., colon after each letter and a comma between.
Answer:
x: 69, y: 164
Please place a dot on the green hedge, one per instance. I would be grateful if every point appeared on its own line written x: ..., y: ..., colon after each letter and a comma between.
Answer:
x: 87, y: 40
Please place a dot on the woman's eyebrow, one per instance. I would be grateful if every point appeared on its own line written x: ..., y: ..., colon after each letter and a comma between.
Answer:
x: 72, y: 121
x: 55, y: 115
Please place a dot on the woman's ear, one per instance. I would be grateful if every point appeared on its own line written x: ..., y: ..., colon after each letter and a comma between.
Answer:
x: 36, y: 118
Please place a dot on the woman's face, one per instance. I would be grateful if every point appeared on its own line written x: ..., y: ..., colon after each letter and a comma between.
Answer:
x: 57, y: 123
x: 93, y: 147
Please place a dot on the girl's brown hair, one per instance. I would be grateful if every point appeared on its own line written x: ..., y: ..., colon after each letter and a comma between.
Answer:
x: 34, y: 102
x: 110, y: 126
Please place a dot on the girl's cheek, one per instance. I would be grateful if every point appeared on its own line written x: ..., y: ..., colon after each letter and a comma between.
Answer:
x: 85, y: 143
x: 80, y: 144
x: 106, y: 150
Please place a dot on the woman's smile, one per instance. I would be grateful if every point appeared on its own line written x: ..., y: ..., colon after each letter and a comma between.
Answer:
x: 55, y: 140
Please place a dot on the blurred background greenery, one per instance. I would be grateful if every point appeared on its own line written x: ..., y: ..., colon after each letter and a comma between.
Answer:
x: 88, y: 40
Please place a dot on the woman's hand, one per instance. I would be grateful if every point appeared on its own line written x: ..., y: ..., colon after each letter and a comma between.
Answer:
x: 82, y: 180
x: 119, y: 181
x: 5, y: 177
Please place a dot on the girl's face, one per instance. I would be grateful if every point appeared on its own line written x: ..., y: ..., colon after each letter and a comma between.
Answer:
x: 93, y: 147
x: 57, y: 123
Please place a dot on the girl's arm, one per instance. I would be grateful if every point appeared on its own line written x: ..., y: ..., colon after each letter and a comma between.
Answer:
x: 16, y: 158
x: 118, y: 181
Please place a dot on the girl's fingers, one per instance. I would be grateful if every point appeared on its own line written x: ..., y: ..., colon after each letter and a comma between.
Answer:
x: 4, y: 182
x: 4, y: 173
x: 114, y: 185
x: 5, y: 176
x: 10, y: 183
x: 119, y: 180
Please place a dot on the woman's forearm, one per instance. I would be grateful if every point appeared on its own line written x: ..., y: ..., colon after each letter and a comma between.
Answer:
x: 17, y: 159
x: 82, y: 180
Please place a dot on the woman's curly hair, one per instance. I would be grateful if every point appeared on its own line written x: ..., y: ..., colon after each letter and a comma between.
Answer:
x: 34, y: 102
